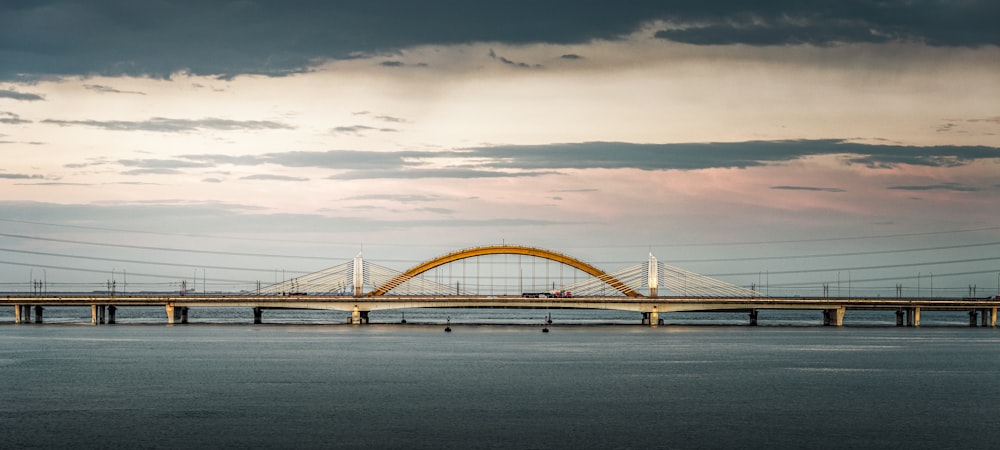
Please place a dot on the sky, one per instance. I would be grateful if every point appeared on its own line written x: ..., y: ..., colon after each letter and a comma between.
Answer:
x: 810, y: 141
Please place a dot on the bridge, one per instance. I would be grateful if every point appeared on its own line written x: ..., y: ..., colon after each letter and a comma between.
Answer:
x: 359, y: 287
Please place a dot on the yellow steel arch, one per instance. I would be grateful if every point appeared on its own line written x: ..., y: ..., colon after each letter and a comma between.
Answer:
x: 503, y: 250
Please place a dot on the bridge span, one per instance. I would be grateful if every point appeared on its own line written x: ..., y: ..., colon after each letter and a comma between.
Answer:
x: 103, y: 308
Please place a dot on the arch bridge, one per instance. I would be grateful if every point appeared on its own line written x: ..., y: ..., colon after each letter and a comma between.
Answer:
x: 504, y: 250
x: 361, y: 278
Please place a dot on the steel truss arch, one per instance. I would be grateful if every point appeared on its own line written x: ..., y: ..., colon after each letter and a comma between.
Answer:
x: 504, y: 250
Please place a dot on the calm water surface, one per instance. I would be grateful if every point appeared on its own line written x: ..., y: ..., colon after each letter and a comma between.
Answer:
x: 583, y: 385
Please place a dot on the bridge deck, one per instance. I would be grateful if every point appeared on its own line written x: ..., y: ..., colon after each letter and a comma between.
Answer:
x: 639, y: 304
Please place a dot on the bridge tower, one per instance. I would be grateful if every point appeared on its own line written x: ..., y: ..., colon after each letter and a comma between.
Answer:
x: 359, y: 275
x: 652, y: 275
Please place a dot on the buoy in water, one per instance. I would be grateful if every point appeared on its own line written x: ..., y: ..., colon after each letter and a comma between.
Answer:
x: 447, y: 329
x: 545, y: 330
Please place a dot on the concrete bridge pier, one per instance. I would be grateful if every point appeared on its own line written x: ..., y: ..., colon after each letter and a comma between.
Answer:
x: 913, y: 317
x: 989, y: 317
x: 899, y: 317
x: 652, y: 318
x: 359, y: 317
x: 258, y: 314
x: 176, y: 314
x: 22, y: 313
x: 834, y: 317
x: 111, y: 314
x: 753, y: 317
x: 973, y: 316
x: 38, y: 313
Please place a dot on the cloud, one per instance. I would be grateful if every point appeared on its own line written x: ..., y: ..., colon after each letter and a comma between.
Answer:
x: 537, y: 160
x: 358, y: 130
x: 162, y: 163
x: 957, y: 187
x: 268, y: 177
x: 24, y: 96
x: 433, y: 173
x: 276, y: 38
x: 808, y: 188
x: 151, y: 172
x: 436, y: 210
x: 167, y: 125
x: 391, y: 119
x: 693, y: 156
x: 402, y: 198
x: 109, y: 90
x: 10, y: 118
x: 19, y: 176
x: 820, y: 23
x: 508, y: 62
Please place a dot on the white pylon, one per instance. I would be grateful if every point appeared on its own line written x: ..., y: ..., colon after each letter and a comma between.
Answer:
x: 359, y: 275
x: 652, y: 272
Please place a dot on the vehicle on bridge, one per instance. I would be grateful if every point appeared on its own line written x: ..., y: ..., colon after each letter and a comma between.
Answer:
x: 550, y: 294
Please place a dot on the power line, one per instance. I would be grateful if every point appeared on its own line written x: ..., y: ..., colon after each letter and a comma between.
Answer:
x: 165, y: 249
x: 844, y: 269
x: 829, y: 255
x: 77, y: 269
x: 135, y: 261
x: 411, y: 244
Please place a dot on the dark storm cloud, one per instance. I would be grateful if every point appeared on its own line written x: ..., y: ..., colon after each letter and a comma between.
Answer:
x: 822, y: 22
x: 272, y: 37
x: 4, y: 93
x: 167, y: 125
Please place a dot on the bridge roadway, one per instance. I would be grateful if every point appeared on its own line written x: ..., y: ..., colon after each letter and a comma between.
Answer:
x: 833, y: 309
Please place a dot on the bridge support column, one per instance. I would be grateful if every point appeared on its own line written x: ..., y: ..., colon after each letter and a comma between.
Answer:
x: 913, y: 317
x: 111, y: 314
x: 986, y: 317
x: 973, y: 315
x: 654, y: 318
x: 101, y: 310
x: 834, y: 317
x: 993, y: 317
x: 22, y: 314
x: 359, y: 317
x: 258, y: 314
x: 172, y: 314
x: 753, y: 317
x: 899, y: 317
x: 184, y: 314
x: 38, y: 314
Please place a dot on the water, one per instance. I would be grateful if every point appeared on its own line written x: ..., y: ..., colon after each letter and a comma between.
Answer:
x: 594, y: 384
